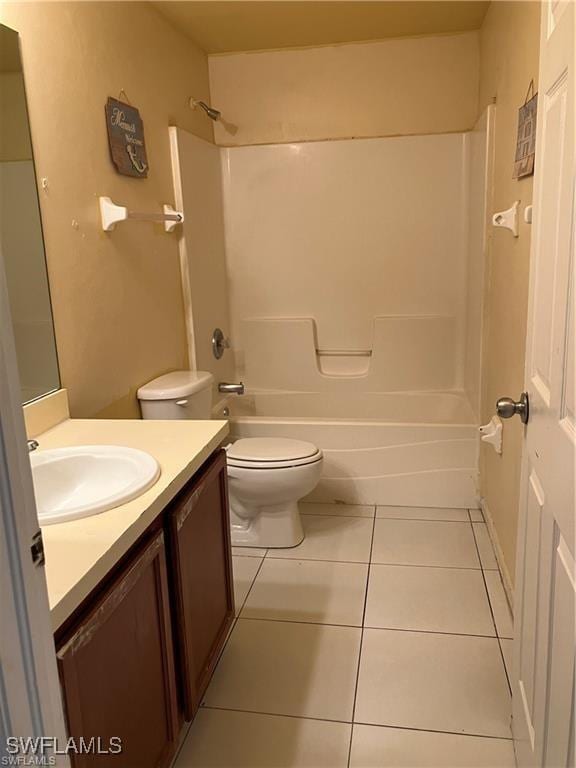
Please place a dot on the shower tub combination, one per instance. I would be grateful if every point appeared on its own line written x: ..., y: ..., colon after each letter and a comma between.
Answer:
x: 405, y: 448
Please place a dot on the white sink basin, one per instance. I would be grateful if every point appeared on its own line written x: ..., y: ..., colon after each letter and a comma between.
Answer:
x: 70, y: 483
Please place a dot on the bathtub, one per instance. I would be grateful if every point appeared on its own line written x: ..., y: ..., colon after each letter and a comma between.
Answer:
x: 408, y: 449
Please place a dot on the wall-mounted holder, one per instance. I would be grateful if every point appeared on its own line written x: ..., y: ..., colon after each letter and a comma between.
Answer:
x: 508, y: 219
x: 111, y: 214
x: 492, y: 433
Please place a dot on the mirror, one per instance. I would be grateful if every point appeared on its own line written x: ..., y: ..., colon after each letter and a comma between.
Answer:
x: 21, y: 239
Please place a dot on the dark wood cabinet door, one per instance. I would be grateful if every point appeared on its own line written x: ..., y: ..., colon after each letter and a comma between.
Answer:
x: 202, y: 586
x: 117, y: 667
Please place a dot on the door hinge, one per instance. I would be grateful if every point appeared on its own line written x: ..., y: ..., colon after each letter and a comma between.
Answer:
x: 37, y: 549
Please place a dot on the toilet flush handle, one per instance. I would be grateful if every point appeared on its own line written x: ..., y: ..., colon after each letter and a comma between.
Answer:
x: 182, y: 403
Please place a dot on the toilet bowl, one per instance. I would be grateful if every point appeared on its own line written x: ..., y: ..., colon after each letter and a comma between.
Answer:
x: 266, y: 476
x: 266, y: 479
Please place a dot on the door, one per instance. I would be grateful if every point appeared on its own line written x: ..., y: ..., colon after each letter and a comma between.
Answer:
x: 543, y: 686
x: 202, y: 578
x: 30, y: 703
x: 117, y: 669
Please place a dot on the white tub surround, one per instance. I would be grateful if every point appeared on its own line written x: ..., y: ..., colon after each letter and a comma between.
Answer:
x: 352, y: 257
x: 406, y: 353
x: 406, y: 449
x: 80, y: 553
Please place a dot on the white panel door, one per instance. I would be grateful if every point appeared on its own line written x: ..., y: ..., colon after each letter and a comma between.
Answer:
x: 543, y: 690
x: 30, y: 703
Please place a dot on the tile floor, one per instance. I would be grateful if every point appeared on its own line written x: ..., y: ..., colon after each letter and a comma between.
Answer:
x: 382, y: 641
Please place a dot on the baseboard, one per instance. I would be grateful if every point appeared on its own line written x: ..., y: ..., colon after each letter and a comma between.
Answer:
x: 506, y: 580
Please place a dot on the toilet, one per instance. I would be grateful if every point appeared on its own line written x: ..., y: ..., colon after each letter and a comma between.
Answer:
x: 267, y: 476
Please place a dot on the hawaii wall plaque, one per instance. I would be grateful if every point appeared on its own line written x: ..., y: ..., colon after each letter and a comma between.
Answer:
x: 526, y: 140
x: 126, y: 139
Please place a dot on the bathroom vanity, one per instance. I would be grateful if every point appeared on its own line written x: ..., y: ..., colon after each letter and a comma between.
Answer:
x: 142, y: 595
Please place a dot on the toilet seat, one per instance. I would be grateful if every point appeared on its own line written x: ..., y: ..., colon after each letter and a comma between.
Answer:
x: 271, y: 453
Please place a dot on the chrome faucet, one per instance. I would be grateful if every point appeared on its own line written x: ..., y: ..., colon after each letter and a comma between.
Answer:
x: 230, y: 389
x: 32, y: 445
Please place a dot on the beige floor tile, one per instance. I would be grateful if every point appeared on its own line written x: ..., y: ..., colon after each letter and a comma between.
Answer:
x: 425, y: 681
x: 345, y: 510
x: 487, y: 557
x: 418, y: 542
x: 507, y: 650
x: 423, y: 513
x: 222, y: 739
x: 309, y: 591
x: 245, y: 570
x: 374, y: 747
x: 249, y: 552
x: 476, y: 515
x: 345, y: 539
x: 499, y: 603
x: 306, y: 670
x: 428, y: 599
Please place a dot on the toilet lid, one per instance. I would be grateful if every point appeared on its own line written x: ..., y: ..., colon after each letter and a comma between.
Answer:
x: 272, y: 451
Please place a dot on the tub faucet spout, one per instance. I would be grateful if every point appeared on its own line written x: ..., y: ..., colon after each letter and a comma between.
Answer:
x: 230, y: 389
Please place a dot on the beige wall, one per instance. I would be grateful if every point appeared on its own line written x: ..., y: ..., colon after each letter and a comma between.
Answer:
x: 509, y: 44
x: 117, y: 297
x: 396, y: 87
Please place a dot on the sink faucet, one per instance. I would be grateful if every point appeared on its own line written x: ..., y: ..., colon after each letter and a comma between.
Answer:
x: 230, y: 389
x: 32, y: 445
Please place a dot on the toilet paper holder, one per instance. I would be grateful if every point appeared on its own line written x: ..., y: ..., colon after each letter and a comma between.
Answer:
x: 492, y: 433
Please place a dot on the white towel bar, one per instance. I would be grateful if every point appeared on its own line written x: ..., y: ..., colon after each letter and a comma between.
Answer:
x: 111, y: 214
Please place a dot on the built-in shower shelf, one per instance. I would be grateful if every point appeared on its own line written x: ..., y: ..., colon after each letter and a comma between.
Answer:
x: 343, y: 362
x: 344, y: 352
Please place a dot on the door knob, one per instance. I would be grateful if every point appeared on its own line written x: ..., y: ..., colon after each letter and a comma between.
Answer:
x: 506, y: 407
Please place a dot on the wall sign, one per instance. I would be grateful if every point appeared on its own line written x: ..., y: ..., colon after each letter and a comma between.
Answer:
x: 526, y: 141
x: 126, y: 139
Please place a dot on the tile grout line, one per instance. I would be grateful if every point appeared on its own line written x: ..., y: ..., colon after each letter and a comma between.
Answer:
x: 358, y: 626
x: 492, y: 611
x: 250, y: 588
x: 377, y: 562
x: 508, y: 675
x: 183, y: 740
x: 432, y: 730
x: 268, y: 556
x: 389, y: 517
x: 351, y: 723
x: 346, y: 517
x: 232, y: 628
x: 361, y: 638
x: 369, y: 564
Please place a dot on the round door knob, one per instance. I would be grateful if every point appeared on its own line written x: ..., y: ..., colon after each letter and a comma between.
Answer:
x: 506, y: 407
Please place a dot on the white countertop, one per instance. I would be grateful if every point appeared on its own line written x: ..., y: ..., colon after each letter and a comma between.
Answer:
x: 81, y: 552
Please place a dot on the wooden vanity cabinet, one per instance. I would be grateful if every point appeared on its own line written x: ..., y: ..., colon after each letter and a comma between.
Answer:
x: 200, y: 565
x: 117, y: 667
x: 136, y: 658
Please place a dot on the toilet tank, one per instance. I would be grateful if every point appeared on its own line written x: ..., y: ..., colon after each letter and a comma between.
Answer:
x: 177, y: 395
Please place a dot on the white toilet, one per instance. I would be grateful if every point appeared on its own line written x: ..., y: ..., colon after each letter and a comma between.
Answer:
x: 267, y: 476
